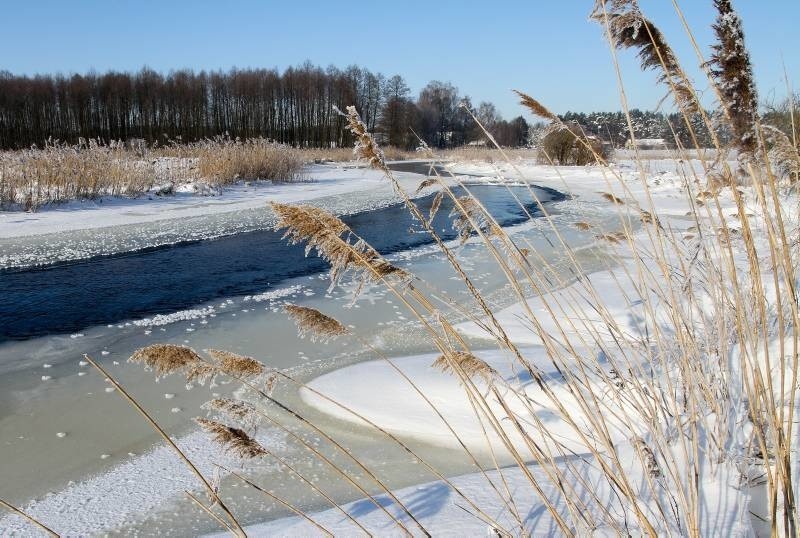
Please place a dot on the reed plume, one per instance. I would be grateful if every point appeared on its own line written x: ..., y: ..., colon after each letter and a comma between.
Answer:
x: 733, y: 71
x: 783, y: 155
x: 242, y: 412
x: 613, y: 237
x: 330, y: 237
x: 425, y: 184
x: 536, y: 108
x: 236, y: 365
x: 628, y: 28
x: 365, y: 147
x: 435, y: 205
x: 167, y: 359
x: 467, y: 213
x: 648, y: 458
x: 314, y: 323
x: 613, y: 199
x: 471, y: 365
x: 232, y: 440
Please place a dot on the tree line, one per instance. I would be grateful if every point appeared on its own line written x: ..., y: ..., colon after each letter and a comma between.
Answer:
x: 295, y: 107
x: 671, y: 127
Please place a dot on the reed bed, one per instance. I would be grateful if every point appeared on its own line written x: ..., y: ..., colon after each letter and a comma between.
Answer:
x: 92, y: 169
x: 630, y: 434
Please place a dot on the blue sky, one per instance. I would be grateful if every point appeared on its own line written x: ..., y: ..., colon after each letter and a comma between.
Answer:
x: 547, y: 49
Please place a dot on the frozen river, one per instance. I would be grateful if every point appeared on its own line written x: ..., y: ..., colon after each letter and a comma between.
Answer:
x: 81, y: 452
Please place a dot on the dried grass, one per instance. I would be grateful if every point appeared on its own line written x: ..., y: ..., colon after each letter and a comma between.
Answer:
x: 58, y: 173
x: 465, y: 362
x: 330, y: 237
x: 314, y: 323
x: 242, y: 412
x: 629, y: 28
x: 168, y: 359
x: 235, y: 365
x: 233, y: 440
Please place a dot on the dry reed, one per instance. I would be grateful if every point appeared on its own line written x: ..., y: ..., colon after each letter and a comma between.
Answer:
x: 314, y: 323
x: 92, y: 169
x: 232, y: 439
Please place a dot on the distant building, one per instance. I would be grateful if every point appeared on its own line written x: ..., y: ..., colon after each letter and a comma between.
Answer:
x: 647, y: 143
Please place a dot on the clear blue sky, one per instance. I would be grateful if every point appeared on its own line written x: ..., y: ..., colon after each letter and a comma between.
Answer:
x: 547, y: 49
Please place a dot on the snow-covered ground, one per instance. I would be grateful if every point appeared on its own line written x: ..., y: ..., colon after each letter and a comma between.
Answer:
x: 377, y: 392
x: 443, y: 511
x: 114, y: 225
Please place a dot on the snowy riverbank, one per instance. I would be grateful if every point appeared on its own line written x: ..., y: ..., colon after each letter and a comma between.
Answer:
x: 84, y: 229
x: 376, y: 391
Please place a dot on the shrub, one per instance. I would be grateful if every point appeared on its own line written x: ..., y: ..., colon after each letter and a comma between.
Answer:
x: 567, y: 144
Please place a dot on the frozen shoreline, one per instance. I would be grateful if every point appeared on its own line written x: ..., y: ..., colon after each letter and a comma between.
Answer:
x: 85, y: 229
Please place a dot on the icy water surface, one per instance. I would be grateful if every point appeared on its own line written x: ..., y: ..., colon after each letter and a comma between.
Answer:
x: 63, y: 431
x: 68, y: 298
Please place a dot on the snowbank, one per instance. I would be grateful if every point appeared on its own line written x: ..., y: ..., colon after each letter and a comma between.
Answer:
x: 320, y: 181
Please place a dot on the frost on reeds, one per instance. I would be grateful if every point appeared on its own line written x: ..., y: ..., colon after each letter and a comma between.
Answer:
x: 784, y: 156
x: 242, y: 412
x: 233, y: 440
x: 91, y: 169
x: 313, y: 323
x: 468, y: 215
x: 733, y: 73
x: 365, y: 147
x: 59, y: 172
x: 331, y: 238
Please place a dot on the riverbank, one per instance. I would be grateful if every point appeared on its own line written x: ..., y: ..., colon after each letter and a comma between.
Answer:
x: 108, y: 226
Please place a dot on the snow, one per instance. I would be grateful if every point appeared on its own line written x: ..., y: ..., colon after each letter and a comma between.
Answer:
x: 109, y: 226
x: 319, y: 181
x: 136, y: 486
x: 625, y: 309
x: 182, y: 315
x: 378, y: 392
x: 443, y: 512
x: 274, y: 294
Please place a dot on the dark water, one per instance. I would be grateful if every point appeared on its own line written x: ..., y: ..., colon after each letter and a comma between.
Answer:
x: 68, y: 298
